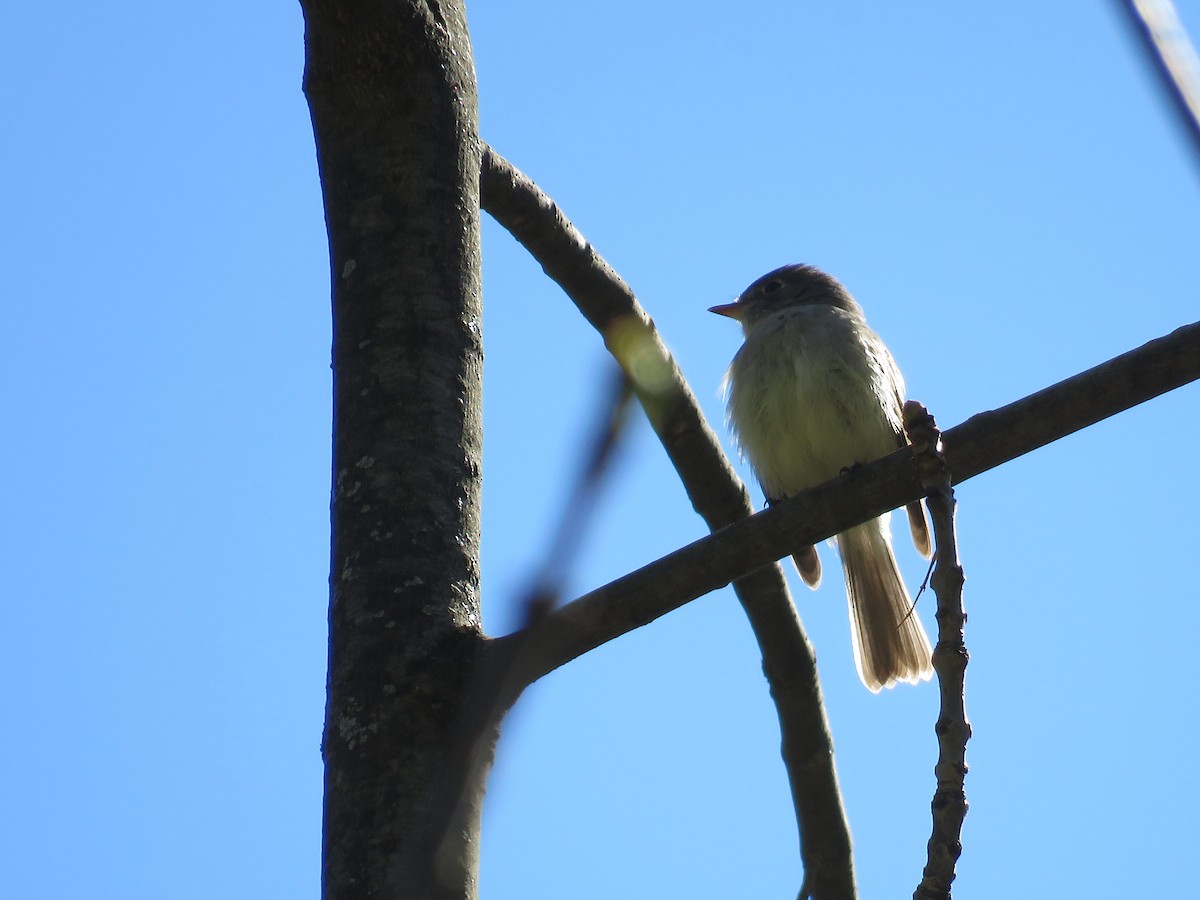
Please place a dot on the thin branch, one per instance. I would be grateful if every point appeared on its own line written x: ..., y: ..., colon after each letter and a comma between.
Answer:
x: 1170, y: 53
x: 716, y: 493
x: 982, y: 442
x: 493, y: 686
x: 950, y: 658
x: 598, y: 452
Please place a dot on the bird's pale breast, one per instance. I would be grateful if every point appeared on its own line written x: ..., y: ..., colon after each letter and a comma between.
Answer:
x: 801, y: 403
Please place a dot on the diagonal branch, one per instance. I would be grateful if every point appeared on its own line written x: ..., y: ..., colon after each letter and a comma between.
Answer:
x: 716, y: 494
x: 1170, y: 53
x: 982, y: 442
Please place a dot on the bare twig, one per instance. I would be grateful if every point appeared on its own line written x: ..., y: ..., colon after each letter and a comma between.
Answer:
x: 716, y: 494
x: 949, y: 660
x: 598, y: 453
x: 1171, y: 54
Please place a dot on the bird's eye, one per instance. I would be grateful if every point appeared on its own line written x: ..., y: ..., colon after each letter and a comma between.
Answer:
x: 771, y: 287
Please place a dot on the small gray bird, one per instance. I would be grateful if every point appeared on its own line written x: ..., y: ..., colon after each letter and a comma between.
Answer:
x: 814, y: 391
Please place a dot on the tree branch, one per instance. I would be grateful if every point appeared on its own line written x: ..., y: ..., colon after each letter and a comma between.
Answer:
x: 982, y: 442
x: 716, y: 493
x: 1165, y: 45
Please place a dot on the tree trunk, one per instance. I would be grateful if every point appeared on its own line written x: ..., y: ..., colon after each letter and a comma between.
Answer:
x: 391, y: 90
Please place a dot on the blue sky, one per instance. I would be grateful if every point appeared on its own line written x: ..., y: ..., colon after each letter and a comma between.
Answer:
x: 1001, y: 187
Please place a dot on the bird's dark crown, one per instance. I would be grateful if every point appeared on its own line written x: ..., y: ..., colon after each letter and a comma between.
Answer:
x: 795, y: 285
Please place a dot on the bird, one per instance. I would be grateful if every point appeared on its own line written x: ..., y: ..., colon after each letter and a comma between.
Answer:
x: 813, y: 392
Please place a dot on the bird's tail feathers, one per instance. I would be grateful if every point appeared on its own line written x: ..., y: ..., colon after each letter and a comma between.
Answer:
x: 890, y: 644
x: 919, y: 528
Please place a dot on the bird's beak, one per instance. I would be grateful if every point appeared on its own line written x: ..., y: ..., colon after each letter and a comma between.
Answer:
x: 732, y: 310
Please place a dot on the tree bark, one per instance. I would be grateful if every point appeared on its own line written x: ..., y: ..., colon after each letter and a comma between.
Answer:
x: 391, y: 90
